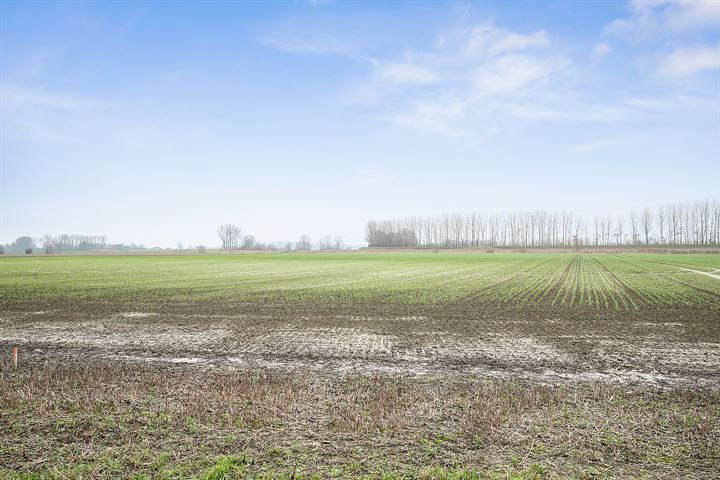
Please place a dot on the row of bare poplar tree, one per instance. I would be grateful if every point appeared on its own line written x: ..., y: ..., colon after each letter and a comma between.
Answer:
x: 696, y: 223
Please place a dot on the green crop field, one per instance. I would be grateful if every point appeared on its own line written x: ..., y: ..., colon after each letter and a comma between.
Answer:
x: 605, y: 281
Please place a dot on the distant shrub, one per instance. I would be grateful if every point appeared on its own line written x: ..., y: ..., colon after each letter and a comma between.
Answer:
x: 435, y: 250
x: 28, y: 251
x: 490, y: 250
x: 2, y: 249
x: 201, y: 249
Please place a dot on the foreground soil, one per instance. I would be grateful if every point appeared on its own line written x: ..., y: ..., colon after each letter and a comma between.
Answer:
x: 655, y: 348
x: 219, y: 390
x: 140, y: 421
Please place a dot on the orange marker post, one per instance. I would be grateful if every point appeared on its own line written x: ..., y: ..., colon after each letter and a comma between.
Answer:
x: 15, y: 357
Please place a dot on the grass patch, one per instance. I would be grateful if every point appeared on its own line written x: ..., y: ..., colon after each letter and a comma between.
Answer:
x: 131, y: 422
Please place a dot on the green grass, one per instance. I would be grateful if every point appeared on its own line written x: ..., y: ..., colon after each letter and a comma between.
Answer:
x: 607, y: 281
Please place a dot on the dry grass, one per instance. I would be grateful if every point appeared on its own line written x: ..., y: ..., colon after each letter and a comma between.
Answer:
x: 115, y: 420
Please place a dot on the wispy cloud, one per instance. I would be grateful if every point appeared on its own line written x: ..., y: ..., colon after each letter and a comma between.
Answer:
x: 671, y: 24
x: 451, y: 87
x: 403, y: 73
x: 16, y: 97
x: 570, y: 110
x: 690, y: 60
x: 595, y: 145
x: 651, y: 18
x: 290, y: 40
x: 513, y: 75
x: 601, y: 49
x: 473, y: 78
x: 493, y: 40
x: 443, y: 114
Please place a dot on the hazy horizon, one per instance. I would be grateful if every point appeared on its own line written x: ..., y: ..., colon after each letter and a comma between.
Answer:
x: 156, y: 123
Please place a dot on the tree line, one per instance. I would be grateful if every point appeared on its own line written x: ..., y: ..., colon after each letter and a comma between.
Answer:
x: 231, y: 238
x: 56, y: 244
x: 72, y: 242
x: 695, y: 223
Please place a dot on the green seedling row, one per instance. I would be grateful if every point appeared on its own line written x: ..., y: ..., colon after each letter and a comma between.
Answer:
x: 564, y: 280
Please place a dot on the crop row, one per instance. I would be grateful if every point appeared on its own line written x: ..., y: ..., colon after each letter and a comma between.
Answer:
x: 628, y: 281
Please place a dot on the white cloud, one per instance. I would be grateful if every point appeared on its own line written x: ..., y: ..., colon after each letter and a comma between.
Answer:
x: 451, y: 87
x: 683, y: 15
x: 652, y: 18
x: 601, y: 49
x: 673, y: 102
x: 448, y: 89
x: 472, y: 78
x: 15, y: 97
x: 490, y: 39
x: 569, y: 110
x: 471, y: 97
x: 444, y: 114
x: 690, y: 60
x: 318, y: 43
x: 595, y: 145
x: 405, y: 73
x: 677, y: 30
x: 514, y: 74
x: 648, y: 103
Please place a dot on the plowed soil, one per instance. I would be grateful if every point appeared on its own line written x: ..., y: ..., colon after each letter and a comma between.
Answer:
x: 655, y: 348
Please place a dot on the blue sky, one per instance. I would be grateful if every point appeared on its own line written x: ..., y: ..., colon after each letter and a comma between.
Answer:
x: 156, y: 122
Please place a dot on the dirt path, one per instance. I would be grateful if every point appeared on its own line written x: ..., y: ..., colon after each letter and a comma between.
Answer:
x: 707, y: 274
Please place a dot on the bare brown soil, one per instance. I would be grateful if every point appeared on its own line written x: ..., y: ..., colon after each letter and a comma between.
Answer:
x: 655, y: 348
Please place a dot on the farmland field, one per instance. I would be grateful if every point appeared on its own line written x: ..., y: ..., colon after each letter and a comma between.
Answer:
x: 404, y: 365
x: 625, y: 282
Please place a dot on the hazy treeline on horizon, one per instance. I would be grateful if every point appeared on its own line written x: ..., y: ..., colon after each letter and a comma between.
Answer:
x: 696, y: 223
x: 693, y: 223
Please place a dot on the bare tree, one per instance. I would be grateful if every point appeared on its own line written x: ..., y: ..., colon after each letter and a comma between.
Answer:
x: 48, y: 242
x: 325, y: 242
x: 229, y: 236
x: 698, y: 222
x: 647, y: 224
x: 608, y: 229
x: 675, y: 225
x: 634, y: 226
x: 704, y: 217
x: 661, y: 224
x: 304, y: 243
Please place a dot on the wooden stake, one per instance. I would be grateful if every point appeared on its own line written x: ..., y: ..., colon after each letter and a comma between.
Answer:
x: 15, y: 357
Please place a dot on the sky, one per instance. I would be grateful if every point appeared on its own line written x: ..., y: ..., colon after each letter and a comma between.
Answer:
x: 156, y: 122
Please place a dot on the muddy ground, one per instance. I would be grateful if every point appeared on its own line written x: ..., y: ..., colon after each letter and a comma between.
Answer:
x: 654, y: 348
